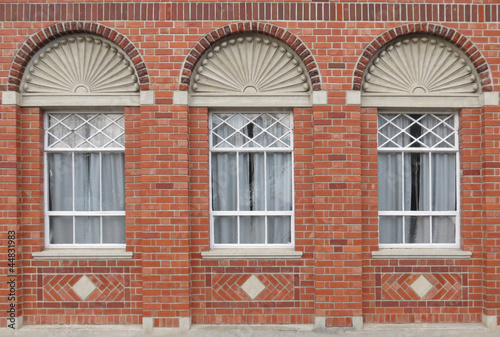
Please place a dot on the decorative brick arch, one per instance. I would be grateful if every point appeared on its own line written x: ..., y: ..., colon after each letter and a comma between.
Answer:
x: 449, y: 34
x: 257, y: 27
x: 38, y: 40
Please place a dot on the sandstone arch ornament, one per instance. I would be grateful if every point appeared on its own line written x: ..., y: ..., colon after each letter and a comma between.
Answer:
x: 420, y: 70
x: 81, y: 70
x: 250, y: 70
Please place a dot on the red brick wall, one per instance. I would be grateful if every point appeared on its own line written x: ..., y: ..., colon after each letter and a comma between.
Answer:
x: 167, y: 172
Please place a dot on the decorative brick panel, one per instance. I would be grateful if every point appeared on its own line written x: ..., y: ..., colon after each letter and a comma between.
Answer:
x: 442, y: 287
x: 59, y: 288
x: 227, y: 287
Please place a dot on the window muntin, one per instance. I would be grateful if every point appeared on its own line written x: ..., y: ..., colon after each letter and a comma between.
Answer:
x: 85, y: 195
x: 251, y: 179
x: 418, y: 180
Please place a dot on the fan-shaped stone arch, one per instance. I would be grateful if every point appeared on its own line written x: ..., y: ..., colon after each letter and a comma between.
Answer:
x: 43, y: 37
x: 273, y: 31
x: 433, y: 31
x: 420, y: 64
x: 80, y: 64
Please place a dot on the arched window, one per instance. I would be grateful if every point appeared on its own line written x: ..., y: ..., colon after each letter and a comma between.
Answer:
x: 82, y: 82
x: 419, y: 83
x: 250, y: 83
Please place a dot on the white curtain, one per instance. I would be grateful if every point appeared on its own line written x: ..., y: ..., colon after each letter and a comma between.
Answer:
x: 224, y: 196
x: 81, y: 174
x: 60, y: 174
x: 262, y: 178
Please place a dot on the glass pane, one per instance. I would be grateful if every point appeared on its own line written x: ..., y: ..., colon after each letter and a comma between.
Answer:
x: 391, y: 229
x: 416, y: 130
x: 443, y: 229
x: 73, y: 138
x: 252, y: 176
x: 87, y: 229
x: 57, y: 131
x: 279, y: 181
x: 417, y: 229
x: 439, y: 131
x: 85, y: 130
x: 113, y: 229
x: 444, y: 181
x: 252, y: 229
x: 390, y: 181
x: 87, y: 181
x: 224, y: 194
x: 61, y: 229
x: 225, y: 229
x: 416, y: 182
x: 279, y: 229
x: 113, y: 182
x: 392, y: 130
x: 60, y: 172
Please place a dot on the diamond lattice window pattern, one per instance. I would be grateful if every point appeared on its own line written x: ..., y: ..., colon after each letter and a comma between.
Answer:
x: 257, y: 131
x: 429, y: 131
x: 86, y: 131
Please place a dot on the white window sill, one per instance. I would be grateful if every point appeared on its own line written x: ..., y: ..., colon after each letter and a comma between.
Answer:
x: 421, y: 253
x: 251, y: 253
x: 83, y: 254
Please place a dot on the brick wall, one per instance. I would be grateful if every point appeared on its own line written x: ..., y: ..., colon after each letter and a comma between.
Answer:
x: 167, y: 191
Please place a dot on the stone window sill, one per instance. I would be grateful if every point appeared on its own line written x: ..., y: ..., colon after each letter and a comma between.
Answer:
x: 83, y: 254
x: 421, y: 253
x: 251, y: 253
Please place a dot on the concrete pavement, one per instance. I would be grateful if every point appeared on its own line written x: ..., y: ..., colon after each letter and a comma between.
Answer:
x: 369, y: 330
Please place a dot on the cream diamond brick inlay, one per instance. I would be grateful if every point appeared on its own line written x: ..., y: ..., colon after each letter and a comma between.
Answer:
x: 421, y: 286
x: 253, y: 287
x: 84, y: 287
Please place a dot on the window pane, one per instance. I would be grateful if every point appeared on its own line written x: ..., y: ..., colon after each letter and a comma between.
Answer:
x: 60, y: 166
x: 61, y: 229
x: 87, y: 181
x: 225, y: 229
x: 391, y: 229
x: 390, y: 181
x: 224, y: 197
x: 416, y: 181
x: 113, y: 180
x: 417, y: 229
x: 87, y: 229
x: 438, y: 131
x: 444, y: 182
x: 113, y: 229
x: 416, y: 130
x: 443, y: 229
x: 392, y: 130
x: 252, y: 229
x: 251, y: 175
x: 279, y: 181
x: 85, y: 130
x: 278, y: 229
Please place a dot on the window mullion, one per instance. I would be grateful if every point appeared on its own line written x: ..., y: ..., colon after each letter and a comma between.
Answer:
x: 100, y: 196
x: 73, y: 191
x: 431, y: 208
x: 238, y: 222
x: 265, y: 197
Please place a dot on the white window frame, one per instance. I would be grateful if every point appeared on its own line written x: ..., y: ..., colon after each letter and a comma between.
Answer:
x: 290, y: 213
x: 456, y: 213
x: 101, y: 214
